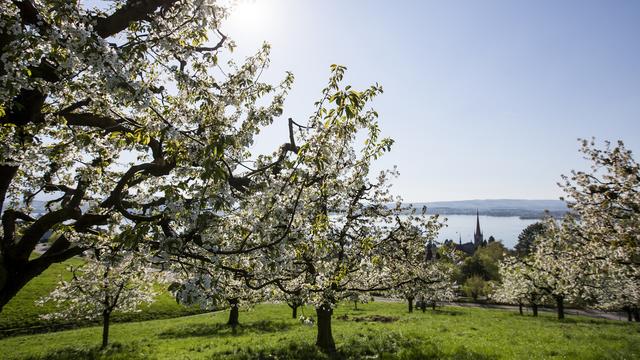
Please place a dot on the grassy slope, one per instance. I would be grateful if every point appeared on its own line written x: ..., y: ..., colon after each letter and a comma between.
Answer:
x: 21, y: 312
x: 456, y: 333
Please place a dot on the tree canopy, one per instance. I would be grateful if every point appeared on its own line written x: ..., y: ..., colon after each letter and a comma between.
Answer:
x: 122, y: 117
x: 526, y: 239
x: 321, y: 229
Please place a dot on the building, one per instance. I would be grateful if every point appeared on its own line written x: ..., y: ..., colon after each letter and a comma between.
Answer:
x: 478, y: 239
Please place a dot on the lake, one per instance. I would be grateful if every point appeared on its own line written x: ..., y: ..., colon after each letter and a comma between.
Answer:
x: 506, y: 229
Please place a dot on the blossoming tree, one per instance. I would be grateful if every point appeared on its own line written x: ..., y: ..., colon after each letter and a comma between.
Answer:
x: 212, y: 287
x: 552, y: 271
x: 516, y: 286
x: 431, y: 282
x: 607, y: 201
x: 110, y: 280
x: 343, y: 235
x: 439, y: 288
x: 118, y: 113
x: 615, y: 289
x: 316, y: 227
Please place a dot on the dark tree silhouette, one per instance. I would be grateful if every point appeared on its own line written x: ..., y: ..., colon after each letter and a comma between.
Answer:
x: 527, y: 238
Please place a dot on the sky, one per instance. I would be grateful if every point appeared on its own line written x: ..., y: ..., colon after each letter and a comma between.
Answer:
x: 484, y: 99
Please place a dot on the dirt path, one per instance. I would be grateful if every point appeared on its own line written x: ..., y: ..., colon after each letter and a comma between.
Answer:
x: 589, y: 313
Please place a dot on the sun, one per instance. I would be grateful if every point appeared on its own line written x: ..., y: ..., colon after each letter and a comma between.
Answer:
x: 248, y: 13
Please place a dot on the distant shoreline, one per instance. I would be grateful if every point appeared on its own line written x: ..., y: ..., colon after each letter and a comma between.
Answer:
x: 522, y: 208
x: 520, y: 213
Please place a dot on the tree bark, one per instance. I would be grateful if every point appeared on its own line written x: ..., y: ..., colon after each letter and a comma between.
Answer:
x: 105, y: 328
x: 534, y: 307
x: 410, y: 304
x: 636, y: 314
x: 560, y: 305
x: 433, y: 306
x: 16, y: 273
x: 627, y: 309
x: 325, y: 339
x: 233, y: 313
x: 7, y: 173
x: 520, y: 308
x: 132, y: 11
x: 294, y: 310
x: 355, y: 304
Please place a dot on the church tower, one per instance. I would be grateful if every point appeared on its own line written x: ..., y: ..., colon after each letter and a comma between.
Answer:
x: 477, y: 236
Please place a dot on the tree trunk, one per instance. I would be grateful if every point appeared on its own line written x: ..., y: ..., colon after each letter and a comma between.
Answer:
x: 433, y: 306
x: 520, y: 308
x: 7, y: 173
x: 325, y: 339
x: 15, y: 272
x: 410, y: 304
x: 233, y: 313
x: 636, y: 314
x: 105, y: 328
x: 560, y: 305
x: 14, y: 277
x: 534, y: 307
x: 355, y: 304
x: 4, y: 277
x: 627, y: 309
x: 294, y: 309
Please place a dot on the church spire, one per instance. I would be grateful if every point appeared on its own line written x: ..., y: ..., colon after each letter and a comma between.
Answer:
x: 477, y: 236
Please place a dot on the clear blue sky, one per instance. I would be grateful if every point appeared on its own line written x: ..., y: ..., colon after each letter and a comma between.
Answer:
x: 485, y: 99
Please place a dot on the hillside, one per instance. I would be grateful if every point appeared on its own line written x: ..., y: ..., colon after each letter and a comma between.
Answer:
x: 376, y: 330
x: 526, y: 209
x: 21, y: 315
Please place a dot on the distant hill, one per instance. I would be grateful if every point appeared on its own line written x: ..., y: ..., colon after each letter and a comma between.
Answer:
x: 526, y: 209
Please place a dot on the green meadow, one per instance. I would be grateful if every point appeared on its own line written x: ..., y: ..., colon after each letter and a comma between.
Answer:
x: 22, y: 316
x: 376, y: 330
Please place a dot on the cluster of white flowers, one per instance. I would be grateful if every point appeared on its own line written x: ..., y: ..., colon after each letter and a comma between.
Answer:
x: 591, y: 257
x: 110, y: 280
x: 308, y: 321
x: 430, y: 284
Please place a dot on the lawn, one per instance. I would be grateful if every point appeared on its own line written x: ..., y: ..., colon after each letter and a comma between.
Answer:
x: 21, y: 315
x: 268, y: 332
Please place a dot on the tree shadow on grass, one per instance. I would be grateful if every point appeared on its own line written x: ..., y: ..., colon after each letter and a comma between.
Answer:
x: 450, y: 312
x: 358, y: 310
x: 389, y: 348
x: 569, y: 319
x: 115, y: 351
x: 368, y: 318
x: 593, y: 321
x: 223, y: 330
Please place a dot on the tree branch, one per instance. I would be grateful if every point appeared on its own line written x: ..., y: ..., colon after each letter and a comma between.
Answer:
x: 133, y: 10
x: 7, y: 172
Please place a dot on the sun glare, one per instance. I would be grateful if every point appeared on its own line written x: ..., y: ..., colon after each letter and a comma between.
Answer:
x: 248, y: 13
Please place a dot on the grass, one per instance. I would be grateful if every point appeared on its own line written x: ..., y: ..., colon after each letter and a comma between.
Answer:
x: 268, y: 332
x: 21, y: 315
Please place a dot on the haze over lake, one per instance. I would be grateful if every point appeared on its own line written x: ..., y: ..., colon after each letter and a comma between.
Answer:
x: 506, y: 229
